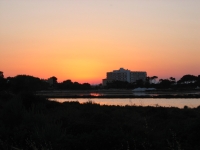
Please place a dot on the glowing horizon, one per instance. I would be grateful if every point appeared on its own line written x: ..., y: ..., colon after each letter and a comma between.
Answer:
x: 81, y: 41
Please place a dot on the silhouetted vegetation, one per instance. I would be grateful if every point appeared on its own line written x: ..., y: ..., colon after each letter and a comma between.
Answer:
x: 31, y: 122
x: 21, y: 83
x: 118, y: 84
x: 186, y: 82
x: 30, y: 83
x: 165, y: 83
x: 25, y: 83
x: 3, y: 84
x: 69, y: 85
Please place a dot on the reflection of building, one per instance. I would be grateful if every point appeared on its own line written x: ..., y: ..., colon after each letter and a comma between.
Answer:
x: 125, y: 75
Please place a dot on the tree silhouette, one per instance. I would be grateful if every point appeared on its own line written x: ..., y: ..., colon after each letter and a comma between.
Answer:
x: 2, y: 81
x: 198, y: 80
x: 153, y: 79
x: 165, y: 83
x: 173, y: 80
x: 139, y: 83
x: 68, y: 84
x: 26, y: 83
x: 147, y: 81
x: 188, y: 79
x: 86, y: 86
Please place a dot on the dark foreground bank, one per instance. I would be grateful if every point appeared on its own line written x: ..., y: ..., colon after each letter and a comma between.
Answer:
x: 31, y: 122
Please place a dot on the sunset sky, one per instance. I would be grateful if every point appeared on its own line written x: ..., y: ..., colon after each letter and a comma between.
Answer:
x: 81, y: 40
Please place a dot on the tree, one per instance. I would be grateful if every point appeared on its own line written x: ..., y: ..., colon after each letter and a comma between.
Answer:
x: 147, y: 82
x: 26, y: 83
x: 165, y: 83
x: 67, y: 84
x: 160, y: 80
x: 173, y: 80
x: 188, y: 79
x: 139, y: 83
x: 76, y: 86
x: 153, y: 79
x: 2, y: 81
x: 198, y: 81
x: 86, y: 86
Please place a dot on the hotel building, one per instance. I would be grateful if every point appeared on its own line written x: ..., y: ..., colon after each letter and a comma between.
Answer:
x: 124, y: 75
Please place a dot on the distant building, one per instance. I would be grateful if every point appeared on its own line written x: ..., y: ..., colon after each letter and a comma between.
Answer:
x: 1, y: 74
x: 52, y: 80
x: 104, y: 81
x: 124, y: 75
x: 137, y: 75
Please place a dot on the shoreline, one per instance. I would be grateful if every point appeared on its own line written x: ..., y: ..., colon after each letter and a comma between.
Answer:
x: 163, y: 96
x: 119, y: 94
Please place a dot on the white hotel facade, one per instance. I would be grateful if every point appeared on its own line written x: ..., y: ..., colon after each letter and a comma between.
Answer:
x: 124, y: 75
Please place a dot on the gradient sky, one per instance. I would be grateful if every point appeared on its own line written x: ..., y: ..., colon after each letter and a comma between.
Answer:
x: 81, y: 40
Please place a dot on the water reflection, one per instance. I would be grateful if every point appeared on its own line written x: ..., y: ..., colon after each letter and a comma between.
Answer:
x: 145, y: 94
x: 172, y: 102
x: 130, y: 93
x: 116, y: 93
x: 96, y: 94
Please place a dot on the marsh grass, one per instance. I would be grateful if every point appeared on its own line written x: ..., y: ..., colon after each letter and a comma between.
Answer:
x: 31, y: 122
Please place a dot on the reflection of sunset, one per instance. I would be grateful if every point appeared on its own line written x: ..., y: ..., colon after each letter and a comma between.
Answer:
x: 95, y: 94
x: 180, y: 103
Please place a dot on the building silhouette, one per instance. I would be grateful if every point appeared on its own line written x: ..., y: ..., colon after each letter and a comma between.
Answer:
x: 1, y: 74
x: 124, y: 75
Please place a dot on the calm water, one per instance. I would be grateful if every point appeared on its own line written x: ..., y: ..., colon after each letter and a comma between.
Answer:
x: 115, y: 93
x: 171, y: 102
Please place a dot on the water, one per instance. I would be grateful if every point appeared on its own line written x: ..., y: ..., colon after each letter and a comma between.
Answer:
x: 164, y: 102
x: 119, y: 93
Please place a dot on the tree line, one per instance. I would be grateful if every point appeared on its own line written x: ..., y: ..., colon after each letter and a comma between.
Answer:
x: 30, y: 83
x: 186, y: 81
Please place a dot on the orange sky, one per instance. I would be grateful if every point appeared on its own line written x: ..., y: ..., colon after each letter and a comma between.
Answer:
x: 82, y: 41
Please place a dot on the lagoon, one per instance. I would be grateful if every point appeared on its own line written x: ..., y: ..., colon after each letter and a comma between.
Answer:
x: 156, y: 102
